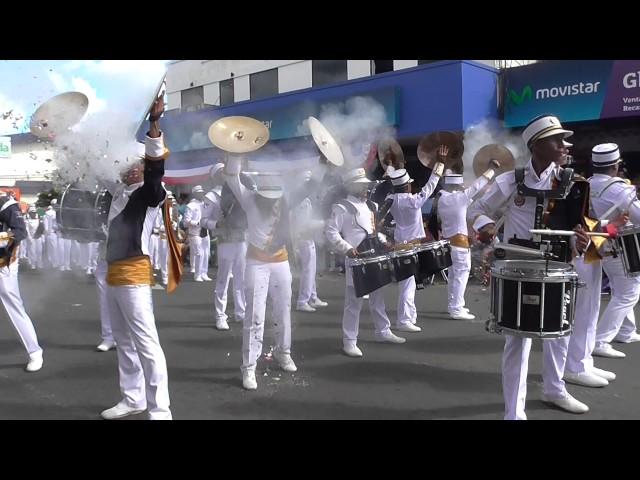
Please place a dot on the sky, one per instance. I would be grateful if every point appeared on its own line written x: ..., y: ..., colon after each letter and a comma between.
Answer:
x: 123, y: 86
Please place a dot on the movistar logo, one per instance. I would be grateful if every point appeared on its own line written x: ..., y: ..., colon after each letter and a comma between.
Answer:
x: 518, y: 99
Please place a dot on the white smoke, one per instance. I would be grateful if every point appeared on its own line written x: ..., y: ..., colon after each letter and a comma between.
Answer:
x: 355, y: 124
x: 485, y: 133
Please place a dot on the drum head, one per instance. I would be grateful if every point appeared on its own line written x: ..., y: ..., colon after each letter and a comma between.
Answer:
x: 532, y: 269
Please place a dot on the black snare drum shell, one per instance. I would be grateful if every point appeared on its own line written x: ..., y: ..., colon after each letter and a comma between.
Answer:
x: 629, y: 250
x: 370, y: 277
x: 404, y: 267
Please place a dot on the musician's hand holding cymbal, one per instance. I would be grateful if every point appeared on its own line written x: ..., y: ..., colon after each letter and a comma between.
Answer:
x: 156, y: 111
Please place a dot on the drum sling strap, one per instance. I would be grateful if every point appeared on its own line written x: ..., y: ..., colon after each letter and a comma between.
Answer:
x: 370, y: 241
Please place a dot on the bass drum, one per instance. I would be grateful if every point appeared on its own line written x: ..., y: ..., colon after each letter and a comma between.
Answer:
x: 83, y: 214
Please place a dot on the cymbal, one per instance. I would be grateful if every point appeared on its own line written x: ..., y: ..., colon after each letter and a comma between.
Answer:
x: 390, y: 149
x: 493, y: 151
x: 428, y: 147
x: 238, y: 134
x: 58, y: 114
x: 325, y: 142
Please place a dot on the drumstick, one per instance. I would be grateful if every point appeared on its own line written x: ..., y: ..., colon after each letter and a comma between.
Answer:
x: 523, y: 250
x: 565, y: 233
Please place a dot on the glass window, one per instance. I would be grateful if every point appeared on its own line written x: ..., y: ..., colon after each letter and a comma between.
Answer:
x: 381, y: 66
x: 263, y: 84
x: 325, y: 72
x: 226, y: 92
x: 192, y: 97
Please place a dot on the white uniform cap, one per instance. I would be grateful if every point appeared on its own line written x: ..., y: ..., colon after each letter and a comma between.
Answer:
x: 400, y: 177
x: 542, y: 127
x: 605, y: 155
x: 197, y: 189
x: 481, y: 221
x: 357, y: 175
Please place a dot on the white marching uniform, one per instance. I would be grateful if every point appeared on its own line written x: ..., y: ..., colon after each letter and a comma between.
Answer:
x: 452, y: 210
x: 198, y: 245
x: 262, y: 278
x: 106, y: 332
x: 232, y: 259
x: 625, y: 291
x: 9, y: 286
x: 407, y: 214
x: 141, y: 361
x: 515, y: 358
x: 51, y: 238
x: 304, y: 228
x: 344, y: 231
x: 154, y: 244
x: 34, y: 245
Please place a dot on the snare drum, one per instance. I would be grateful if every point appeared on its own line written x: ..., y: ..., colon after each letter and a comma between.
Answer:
x: 628, y: 242
x: 83, y: 215
x: 404, y: 263
x: 370, y: 274
x: 532, y: 298
x: 433, y: 257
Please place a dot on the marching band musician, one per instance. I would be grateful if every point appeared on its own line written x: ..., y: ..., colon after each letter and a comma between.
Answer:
x: 453, y: 202
x: 608, y: 190
x: 230, y: 222
x: 267, y: 273
x: 406, y: 209
x: 580, y: 369
x: 34, y: 245
x: 13, y: 231
x: 544, y: 138
x: 199, y: 241
x: 107, y: 343
x: 51, y: 235
x: 352, y: 223
x: 141, y: 361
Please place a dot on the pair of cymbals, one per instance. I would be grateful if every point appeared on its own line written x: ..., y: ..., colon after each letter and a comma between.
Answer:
x: 58, y: 114
x: 390, y: 153
x: 325, y: 142
x: 238, y: 134
x: 429, y: 145
x: 493, y: 151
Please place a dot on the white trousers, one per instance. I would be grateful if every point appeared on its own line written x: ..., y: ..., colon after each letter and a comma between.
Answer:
x: 407, y: 312
x: 200, y: 247
x: 232, y: 259
x: 154, y: 241
x: 163, y: 255
x: 457, y: 278
x: 306, y: 250
x: 64, y: 252
x: 624, y: 296
x: 103, y: 306
x: 515, y: 365
x: 262, y: 280
x: 628, y: 327
x: 583, y: 337
x: 351, y: 315
x: 12, y: 302
x: 144, y: 381
x: 34, y: 252
x: 51, y: 247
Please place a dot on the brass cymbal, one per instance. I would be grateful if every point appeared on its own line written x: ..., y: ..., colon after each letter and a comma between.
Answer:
x: 493, y: 151
x: 238, y: 134
x: 325, y: 142
x: 390, y: 150
x: 428, y: 147
x: 58, y: 114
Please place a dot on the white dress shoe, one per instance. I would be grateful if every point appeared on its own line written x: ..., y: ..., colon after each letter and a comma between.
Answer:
x: 305, y: 307
x: 462, y: 316
x: 567, y: 403
x: 635, y: 337
x: 408, y: 327
x: 285, y: 361
x: 389, y: 337
x: 318, y: 303
x: 249, y: 380
x: 105, y: 346
x: 35, y: 363
x: 607, y: 375
x: 607, y: 351
x: 206, y: 278
x: 586, y: 379
x: 121, y: 410
x: 198, y: 279
x: 352, y: 351
x: 221, y: 324
x: 238, y: 319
